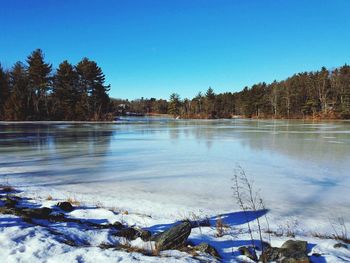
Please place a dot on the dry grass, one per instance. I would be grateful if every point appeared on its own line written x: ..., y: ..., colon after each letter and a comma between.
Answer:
x: 340, y: 231
x: 128, y: 248
x: 99, y: 204
x: 73, y: 201
x: 155, y: 252
x: 106, y: 246
x: 221, y: 227
x: 281, y: 232
x: 288, y: 229
x: 114, y: 209
x: 274, y: 233
x: 321, y: 236
x: 189, y: 250
x: 141, y: 214
x: 333, y: 236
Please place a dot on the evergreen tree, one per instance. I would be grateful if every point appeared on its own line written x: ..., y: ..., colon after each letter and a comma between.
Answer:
x: 199, y: 103
x: 40, y: 83
x: 94, y: 98
x: 18, y: 105
x: 210, y: 95
x: 4, y: 90
x: 210, y: 102
x: 80, y: 93
x: 174, y: 104
x: 65, y: 92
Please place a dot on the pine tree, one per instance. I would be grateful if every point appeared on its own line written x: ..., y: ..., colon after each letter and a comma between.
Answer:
x: 4, y: 90
x: 40, y: 83
x: 94, y: 98
x: 174, y: 104
x: 65, y: 92
x: 210, y: 95
x: 210, y: 102
x: 344, y: 91
x: 199, y: 102
x: 17, y: 106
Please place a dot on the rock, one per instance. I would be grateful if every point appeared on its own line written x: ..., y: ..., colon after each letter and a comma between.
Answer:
x: 292, y: 251
x: 27, y: 214
x: 56, y: 216
x: 7, y: 188
x: 106, y: 246
x: 8, y: 210
x: 293, y: 260
x: 44, y: 211
x: 173, y: 238
x: 265, y: 245
x: 145, y: 235
x: 248, y: 252
x: 206, y: 248
x: 340, y: 245
x: 10, y: 202
x: 117, y: 225
x: 65, y: 206
x: 40, y: 213
x: 129, y: 233
x: 270, y: 254
x: 295, y: 245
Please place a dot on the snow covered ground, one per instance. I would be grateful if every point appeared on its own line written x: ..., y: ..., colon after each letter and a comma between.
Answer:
x: 46, y: 241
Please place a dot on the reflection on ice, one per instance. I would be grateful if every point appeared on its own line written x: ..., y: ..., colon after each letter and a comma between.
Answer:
x: 301, y: 167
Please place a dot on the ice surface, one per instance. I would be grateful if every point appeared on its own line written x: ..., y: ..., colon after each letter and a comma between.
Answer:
x: 174, y: 167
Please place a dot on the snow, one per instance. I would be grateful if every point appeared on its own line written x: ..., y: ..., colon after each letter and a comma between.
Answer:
x: 44, y: 241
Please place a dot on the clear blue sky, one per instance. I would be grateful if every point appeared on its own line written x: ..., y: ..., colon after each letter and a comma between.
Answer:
x: 152, y: 48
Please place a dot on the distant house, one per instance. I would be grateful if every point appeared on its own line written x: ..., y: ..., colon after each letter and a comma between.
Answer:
x: 122, y: 106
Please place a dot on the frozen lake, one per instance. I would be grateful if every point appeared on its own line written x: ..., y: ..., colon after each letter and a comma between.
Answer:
x: 175, y: 167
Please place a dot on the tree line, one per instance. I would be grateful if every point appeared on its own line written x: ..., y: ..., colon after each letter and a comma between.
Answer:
x: 34, y: 91
x: 318, y: 94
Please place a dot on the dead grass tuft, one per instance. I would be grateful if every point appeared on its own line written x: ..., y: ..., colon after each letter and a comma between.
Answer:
x: 189, y: 250
x: 73, y: 201
x: 333, y: 236
x: 99, y: 204
x: 114, y: 209
x: 221, y: 227
x: 130, y: 249
x: 340, y: 231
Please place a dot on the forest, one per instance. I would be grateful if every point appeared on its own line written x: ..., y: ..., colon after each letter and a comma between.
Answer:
x: 323, y: 94
x: 34, y: 91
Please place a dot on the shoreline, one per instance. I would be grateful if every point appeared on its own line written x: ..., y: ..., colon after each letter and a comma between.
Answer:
x: 99, y: 217
x: 181, y: 118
